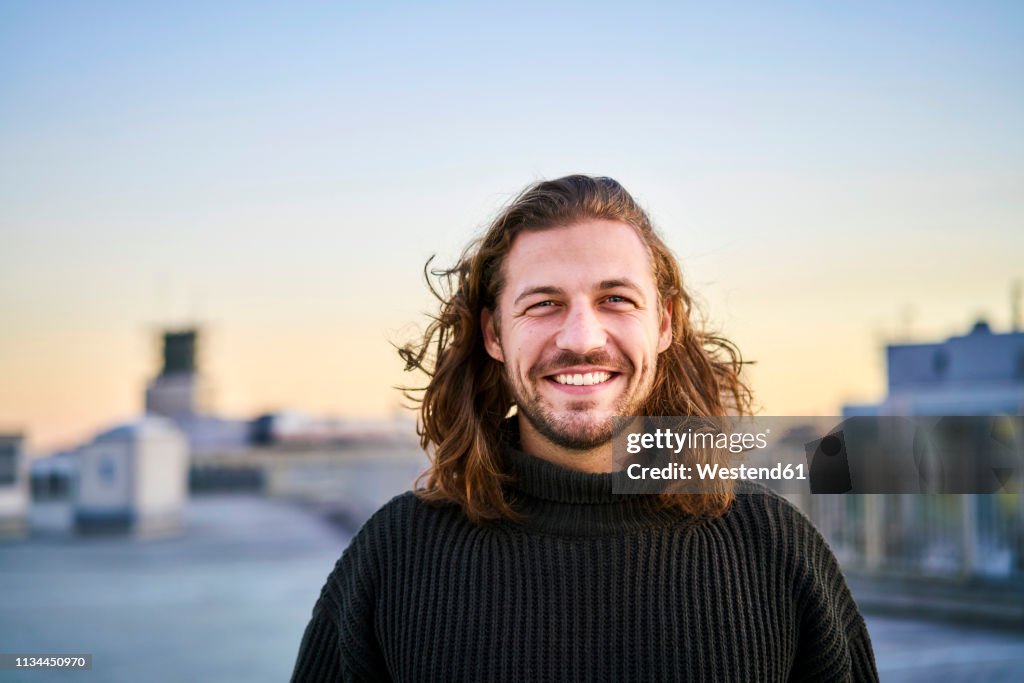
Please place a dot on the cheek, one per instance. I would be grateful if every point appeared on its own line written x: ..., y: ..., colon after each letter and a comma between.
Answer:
x: 638, y: 338
x: 526, y: 343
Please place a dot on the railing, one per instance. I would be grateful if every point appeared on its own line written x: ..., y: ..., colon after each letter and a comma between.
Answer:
x: 954, y: 536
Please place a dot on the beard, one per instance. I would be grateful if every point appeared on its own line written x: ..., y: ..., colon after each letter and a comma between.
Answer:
x: 578, y: 427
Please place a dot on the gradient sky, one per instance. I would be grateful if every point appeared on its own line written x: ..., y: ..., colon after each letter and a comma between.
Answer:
x: 281, y: 171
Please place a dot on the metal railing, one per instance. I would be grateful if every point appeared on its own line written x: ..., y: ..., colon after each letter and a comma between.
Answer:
x: 954, y: 536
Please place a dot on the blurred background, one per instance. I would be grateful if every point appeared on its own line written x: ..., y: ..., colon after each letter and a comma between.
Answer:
x: 215, y: 218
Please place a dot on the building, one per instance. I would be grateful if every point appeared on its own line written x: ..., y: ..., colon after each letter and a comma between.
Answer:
x: 133, y: 478
x: 953, y: 536
x: 179, y: 393
x: 14, y: 486
x: 980, y: 373
x: 175, y: 392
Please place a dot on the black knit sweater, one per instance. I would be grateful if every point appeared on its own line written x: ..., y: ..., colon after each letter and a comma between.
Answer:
x: 591, y: 587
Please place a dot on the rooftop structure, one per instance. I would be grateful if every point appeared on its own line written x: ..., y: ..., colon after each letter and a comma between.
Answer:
x: 979, y: 373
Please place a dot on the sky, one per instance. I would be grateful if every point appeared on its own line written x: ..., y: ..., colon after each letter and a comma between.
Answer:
x: 831, y: 178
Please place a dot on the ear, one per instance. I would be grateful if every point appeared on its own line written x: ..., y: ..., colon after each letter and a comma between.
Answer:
x: 491, y: 341
x: 665, y: 330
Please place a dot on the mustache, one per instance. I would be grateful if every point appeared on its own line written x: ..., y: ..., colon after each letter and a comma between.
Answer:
x: 568, y: 359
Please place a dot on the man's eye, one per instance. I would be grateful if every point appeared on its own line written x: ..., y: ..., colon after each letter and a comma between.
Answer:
x: 540, y: 308
x: 616, y: 299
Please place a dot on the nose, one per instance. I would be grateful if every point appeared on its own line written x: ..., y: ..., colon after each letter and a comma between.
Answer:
x: 582, y: 331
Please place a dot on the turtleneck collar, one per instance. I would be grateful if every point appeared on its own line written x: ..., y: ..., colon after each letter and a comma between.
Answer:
x: 545, y: 480
x: 564, y: 501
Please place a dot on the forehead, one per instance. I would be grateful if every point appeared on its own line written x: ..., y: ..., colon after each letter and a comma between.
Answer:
x: 579, y: 255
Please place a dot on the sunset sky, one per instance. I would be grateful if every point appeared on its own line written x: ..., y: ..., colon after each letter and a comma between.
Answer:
x: 830, y: 177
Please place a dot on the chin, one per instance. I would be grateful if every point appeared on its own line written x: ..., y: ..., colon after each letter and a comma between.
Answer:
x: 584, y: 433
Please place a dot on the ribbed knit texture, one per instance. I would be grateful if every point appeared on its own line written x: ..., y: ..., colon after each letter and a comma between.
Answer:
x: 591, y: 587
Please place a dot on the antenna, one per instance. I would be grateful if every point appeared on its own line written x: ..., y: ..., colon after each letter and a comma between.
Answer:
x: 196, y: 305
x: 907, y: 321
x: 161, y: 296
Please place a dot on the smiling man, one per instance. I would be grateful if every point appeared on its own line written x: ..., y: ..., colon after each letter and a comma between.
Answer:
x: 514, y: 560
x: 583, y: 340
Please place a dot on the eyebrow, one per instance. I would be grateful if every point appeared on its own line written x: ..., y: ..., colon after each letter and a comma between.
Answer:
x: 625, y: 283
x: 538, y: 290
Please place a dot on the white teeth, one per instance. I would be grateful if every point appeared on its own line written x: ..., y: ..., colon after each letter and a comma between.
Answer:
x: 587, y: 380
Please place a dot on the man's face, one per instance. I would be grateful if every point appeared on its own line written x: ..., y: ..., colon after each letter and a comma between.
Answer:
x: 579, y: 329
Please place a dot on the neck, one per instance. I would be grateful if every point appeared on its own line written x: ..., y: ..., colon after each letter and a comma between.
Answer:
x: 595, y: 460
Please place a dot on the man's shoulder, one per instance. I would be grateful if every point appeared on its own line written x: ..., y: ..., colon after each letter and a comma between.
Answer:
x: 401, y: 505
x: 389, y: 532
x: 403, y: 514
x: 756, y: 499
x: 776, y: 522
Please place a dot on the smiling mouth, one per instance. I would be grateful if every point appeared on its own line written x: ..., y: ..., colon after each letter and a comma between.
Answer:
x: 588, y: 379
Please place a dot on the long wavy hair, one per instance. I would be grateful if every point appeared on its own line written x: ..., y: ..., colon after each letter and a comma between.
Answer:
x: 465, y: 401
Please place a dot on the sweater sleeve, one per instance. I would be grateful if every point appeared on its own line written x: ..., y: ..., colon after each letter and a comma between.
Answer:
x: 833, y: 642
x: 340, y: 643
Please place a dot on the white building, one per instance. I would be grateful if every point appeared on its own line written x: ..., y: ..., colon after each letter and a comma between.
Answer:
x: 133, y: 478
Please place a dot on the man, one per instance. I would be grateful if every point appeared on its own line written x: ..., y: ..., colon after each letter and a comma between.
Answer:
x: 514, y: 561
